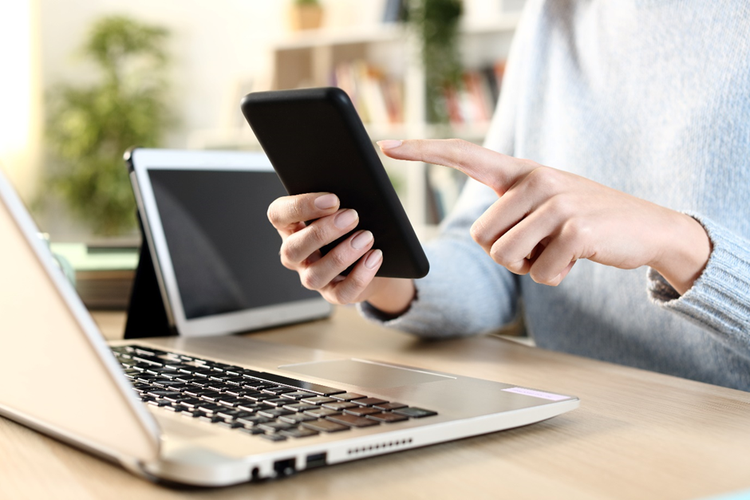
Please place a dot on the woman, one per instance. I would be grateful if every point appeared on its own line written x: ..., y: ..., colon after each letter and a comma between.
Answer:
x: 641, y: 110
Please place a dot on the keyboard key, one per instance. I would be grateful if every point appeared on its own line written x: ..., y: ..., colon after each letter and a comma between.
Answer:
x: 209, y: 408
x: 190, y: 403
x: 258, y: 396
x: 161, y: 393
x: 232, y: 414
x: 229, y: 401
x: 348, y: 396
x: 324, y: 426
x: 338, y: 406
x: 321, y: 390
x: 251, y: 407
x: 370, y: 401
x: 296, y: 418
x: 273, y: 437
x: 277, y: 401
x: 300, y: 407
x: 387, y: 417
x: 318, y: 400
x: 299, y: 433
x: 361, y: 411
x: 211, y: 419
x: 412, y: 412
x: 275, y: 426
x: 297, y: 395
x: 389, y: 406
x: 253, y: 420
x: 166, y: 383
x: 352, y: 420
x: 322, y: 412
x: 279, y: 389
x: 275, y: 412
x: 251, y: 430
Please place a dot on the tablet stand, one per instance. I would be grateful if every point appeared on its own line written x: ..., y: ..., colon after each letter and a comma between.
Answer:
x: 147, y: 316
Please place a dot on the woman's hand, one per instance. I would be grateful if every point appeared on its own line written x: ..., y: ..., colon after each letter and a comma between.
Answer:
x: 545, y: 219
x: 300, y: 251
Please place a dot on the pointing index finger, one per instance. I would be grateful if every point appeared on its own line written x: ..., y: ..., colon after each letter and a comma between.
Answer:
x: 493, y: 169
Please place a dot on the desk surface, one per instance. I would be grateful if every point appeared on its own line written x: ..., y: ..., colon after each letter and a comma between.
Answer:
x: 636, y: 435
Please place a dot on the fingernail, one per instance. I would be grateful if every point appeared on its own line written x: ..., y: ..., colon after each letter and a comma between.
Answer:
x: 362, y: 240
x: 326, y: 201
x: 345, y: 218
x: 389, y: 144
x: 373, y: 260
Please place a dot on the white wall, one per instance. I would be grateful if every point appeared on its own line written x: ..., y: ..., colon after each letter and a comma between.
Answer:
x: 217, y: 47
x: 20, y: 94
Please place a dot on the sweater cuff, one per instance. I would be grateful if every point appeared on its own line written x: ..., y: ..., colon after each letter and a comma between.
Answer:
x: 720, y: 297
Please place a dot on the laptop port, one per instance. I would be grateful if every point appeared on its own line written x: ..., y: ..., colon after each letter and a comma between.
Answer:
x: 316, y: 460
x: 284, y: 467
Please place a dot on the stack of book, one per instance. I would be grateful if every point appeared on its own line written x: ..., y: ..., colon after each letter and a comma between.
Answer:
x: 104, y: 272
x: 473, y: 103
x: 377, y: 97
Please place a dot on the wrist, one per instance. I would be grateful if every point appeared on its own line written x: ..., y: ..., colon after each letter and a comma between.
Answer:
x: 393, y: 296
x: 686, y: 250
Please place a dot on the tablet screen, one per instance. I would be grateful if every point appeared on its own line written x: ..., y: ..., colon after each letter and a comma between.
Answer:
x: 224, y: 252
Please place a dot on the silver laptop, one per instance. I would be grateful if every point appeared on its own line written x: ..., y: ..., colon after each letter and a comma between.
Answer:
x: 221, y: 410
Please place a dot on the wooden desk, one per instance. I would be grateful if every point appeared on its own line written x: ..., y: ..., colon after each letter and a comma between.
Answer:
x: 637, y: 435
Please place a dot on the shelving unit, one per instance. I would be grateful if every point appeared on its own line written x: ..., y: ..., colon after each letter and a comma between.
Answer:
x: 311, y: 58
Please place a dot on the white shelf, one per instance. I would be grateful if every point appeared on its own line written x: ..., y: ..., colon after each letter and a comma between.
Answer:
x: 308, y: 59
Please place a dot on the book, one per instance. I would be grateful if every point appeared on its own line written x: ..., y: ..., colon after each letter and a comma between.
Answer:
x: 104, y: 271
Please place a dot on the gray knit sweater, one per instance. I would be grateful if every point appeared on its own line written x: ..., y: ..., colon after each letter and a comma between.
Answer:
x: 651, y: 97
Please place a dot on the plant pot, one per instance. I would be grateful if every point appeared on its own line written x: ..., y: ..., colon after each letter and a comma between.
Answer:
x: 306, y: 17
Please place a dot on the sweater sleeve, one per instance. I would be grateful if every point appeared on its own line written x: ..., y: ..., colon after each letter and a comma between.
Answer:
x: 465, y: 292
x: 719, y: 300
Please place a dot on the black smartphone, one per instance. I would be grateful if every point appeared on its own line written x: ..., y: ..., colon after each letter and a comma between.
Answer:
x: 316, y: 142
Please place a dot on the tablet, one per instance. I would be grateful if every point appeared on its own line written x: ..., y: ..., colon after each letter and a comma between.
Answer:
x: 215, y: 254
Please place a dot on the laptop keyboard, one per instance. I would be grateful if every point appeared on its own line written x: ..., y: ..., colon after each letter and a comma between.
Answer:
x: 271, y: 406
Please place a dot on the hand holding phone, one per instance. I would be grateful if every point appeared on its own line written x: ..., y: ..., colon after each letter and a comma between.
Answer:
x: 317, y: 144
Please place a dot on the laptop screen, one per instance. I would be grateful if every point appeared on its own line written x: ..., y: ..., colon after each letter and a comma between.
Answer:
x: 224, y: 251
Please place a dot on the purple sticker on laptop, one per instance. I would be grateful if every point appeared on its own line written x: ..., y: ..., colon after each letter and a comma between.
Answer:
x: 536, y: 394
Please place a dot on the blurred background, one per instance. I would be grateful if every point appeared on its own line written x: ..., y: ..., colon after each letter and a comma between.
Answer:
x: 83, y: 80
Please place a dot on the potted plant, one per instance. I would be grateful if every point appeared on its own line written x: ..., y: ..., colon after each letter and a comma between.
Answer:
x: 89, y: 128
x: 306, y: 15
x: 436, y: 25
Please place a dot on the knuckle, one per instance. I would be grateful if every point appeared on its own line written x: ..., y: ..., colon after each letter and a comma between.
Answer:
x: 308, y: 280
x: 562, y: 206
x: 357, y: 283
x: 575, y: 229
x: 539, y: 276
x: 338, y: 260
x: 286, y: 262
x: 501, y: 255
x: 290, y: 251
x: 317, y: 234
x: 544, y: 179
x: 479, y: 234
